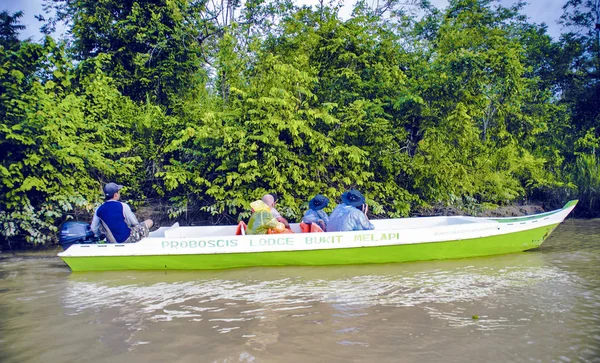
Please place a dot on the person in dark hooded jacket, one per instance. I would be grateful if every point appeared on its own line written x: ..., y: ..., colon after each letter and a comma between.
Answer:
x: 315, y: 213
x: 351, y: 214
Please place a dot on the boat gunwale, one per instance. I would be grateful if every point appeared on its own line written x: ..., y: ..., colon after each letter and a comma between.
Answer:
x: 453, y: 235
x: 355, y: 255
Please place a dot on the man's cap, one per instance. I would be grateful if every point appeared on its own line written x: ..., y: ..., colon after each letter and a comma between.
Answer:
x: 111, y: 188
x: 353, y: 198
x: 318, y: 202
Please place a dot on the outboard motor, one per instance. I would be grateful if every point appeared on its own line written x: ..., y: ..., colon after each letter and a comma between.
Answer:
x: 74, y: 233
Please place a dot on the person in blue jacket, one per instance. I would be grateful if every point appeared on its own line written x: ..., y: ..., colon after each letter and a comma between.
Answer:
x: 117, y: 219
x: 351, y: 214
x: 315, y: 212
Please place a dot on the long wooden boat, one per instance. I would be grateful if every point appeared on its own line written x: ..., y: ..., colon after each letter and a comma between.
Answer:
x: 392, y: 240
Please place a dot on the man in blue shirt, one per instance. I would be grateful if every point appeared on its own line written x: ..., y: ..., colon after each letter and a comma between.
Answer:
x: 117, y: 219
x: 351, y: 215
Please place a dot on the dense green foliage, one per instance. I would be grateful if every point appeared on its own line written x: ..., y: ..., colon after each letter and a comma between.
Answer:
x: 207, y: 106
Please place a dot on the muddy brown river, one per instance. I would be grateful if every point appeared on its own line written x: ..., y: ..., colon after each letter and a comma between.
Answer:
x: 536, y: 306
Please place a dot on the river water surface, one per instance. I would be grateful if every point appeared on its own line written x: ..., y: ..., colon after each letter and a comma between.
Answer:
x: 537, y: 306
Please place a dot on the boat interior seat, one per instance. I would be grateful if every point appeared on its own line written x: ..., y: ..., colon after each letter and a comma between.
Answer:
x: 160, y: 232
x: 310, y: 228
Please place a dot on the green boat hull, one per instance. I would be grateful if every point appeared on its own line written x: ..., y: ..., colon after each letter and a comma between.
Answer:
x: 493, y: 245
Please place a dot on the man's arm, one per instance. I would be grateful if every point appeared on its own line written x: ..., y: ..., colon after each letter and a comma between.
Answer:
x: 130, y: 218
x: 310, y: 217
x: 96, y: 223
x: 275, y: 212
x: 283, y: 221
x: 364, y: 222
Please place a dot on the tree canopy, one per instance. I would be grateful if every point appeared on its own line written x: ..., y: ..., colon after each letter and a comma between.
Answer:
x: 205, y: 106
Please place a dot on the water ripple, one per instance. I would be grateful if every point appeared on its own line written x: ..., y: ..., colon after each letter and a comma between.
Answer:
x: 212, y: 298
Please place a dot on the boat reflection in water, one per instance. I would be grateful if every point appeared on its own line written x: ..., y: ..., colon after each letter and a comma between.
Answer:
x: 255, y: 305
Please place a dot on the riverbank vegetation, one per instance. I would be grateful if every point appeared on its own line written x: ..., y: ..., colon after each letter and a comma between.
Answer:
x: 201, y: 107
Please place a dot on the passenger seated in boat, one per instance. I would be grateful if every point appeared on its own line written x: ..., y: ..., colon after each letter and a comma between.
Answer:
x: 315, y: 213
x: 271, y: 201
x: 351, y: 214
x: 262, y: 221
x: 116, y: 218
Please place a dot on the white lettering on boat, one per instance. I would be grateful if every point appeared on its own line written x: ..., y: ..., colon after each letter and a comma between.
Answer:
x: 390, y: 236
x: 200, y: 244
x: 365, y: 237
x: 256, y: 242
x: 281, y: 241
x: 322, y: 239
x: 371, y: 237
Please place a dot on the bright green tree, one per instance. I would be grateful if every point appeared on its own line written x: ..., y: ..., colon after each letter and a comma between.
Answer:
x: 153, y: 45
